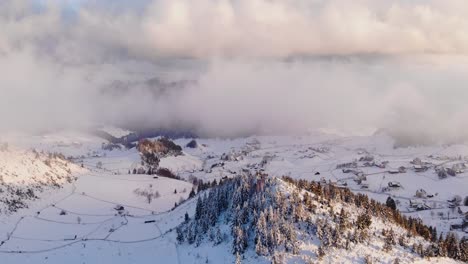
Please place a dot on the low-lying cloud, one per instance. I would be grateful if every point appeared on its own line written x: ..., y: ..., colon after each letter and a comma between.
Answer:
x: 229, y: 68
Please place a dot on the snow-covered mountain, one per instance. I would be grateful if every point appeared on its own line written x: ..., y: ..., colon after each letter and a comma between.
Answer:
x: 25, y: 175
x: 228, y: 200
x: 261, y: 220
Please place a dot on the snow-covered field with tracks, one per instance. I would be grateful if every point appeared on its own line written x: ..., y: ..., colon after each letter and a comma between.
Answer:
x: 99, y: 218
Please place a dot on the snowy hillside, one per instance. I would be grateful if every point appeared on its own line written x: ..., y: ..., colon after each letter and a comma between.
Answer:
x: 119, y: 208
x: 263, y: 220
x: 25, y: 175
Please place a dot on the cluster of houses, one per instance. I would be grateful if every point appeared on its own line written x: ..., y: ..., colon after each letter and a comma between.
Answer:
x: 233, y: 156
x: 459, y: 167
x: 252, y: 145
x: 367, y: 158
x: 369, y: 161
x: 381, y: 165
x: 266, y: 159
x: 420, y: 166
x: 455, y: 201
x: 463, y: 226
x: 444, y: 172
x: 421, y: 193
x: 320, y: 149
x: 401, y: 169
x: 353, y: 171
x: 419, y: 205
x: 308, y: 156
x: 347, y: 165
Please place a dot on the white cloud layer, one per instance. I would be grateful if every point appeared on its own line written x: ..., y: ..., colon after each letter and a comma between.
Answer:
x: 258, y: 65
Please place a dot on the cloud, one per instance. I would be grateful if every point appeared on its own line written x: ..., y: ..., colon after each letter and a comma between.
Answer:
x: 236, y: 67
x: 296, y: 27
x: 238, y: 28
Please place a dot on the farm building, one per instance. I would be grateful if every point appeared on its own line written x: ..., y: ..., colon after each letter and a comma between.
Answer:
x: 459, y: 168
x: 420, y: 168
x: 347, y: 165
x: 367, y: 158
x: 355, y: 172
x: 421, y: 193
x: 417, y: 161
x: 419, y: 205
x: 394, y: 184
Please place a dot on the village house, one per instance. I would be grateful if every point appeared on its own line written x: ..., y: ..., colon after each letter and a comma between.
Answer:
x: 421, y: 193
x: 367, y: 158
x: 420, y: 168
x: 394, y: 184
x: 459, y: 168
x: 347, y: 165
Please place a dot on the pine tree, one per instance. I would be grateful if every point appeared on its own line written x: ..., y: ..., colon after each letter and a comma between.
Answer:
x: 290, y: 241
x: 299, y: 212
x: 192, y: 193
x: 391, y: 203
x: 389, y: 240
x: 240, y: 240
x: 464, y: 250
x: 218, y: 239
x: 180, y: 235
x: 419, y: 250
x: 199, y: 209
x: 278, y: 258
x: 260, y: 249
x: 191, y: 233
x: 344, y: 222
x: 433, y: 234
x: 348, y: 239
x: 261, y: 235
x: 324, y: 232
x: 402, y: 241
x: 320, y: 252
x: 363, y: 221
x: 453, y: 248
x: 413, y: 229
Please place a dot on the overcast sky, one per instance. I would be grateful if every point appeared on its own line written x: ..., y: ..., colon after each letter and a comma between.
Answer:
x: 253, y: 66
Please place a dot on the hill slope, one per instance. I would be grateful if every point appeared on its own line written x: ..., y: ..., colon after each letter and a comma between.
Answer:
x: 24, y: 175
x: 259, y: 219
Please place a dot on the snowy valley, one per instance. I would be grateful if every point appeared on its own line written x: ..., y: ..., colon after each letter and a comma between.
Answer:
x: 233, y: 131
x: 270, y: 199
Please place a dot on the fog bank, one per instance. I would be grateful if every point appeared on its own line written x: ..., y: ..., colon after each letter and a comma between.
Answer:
x: 227, y: 68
